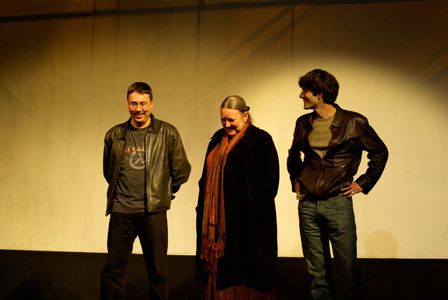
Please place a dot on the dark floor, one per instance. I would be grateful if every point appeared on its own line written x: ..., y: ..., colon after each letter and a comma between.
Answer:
x: 74, y: 276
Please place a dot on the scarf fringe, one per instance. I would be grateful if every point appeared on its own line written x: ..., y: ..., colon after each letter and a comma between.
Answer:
x: 210, y: 252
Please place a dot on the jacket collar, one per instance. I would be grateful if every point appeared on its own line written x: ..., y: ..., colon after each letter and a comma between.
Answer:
x: 338, y: 117
x: 153, y: 127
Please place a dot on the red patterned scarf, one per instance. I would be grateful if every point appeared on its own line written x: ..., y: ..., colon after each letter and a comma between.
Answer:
x: 214, y: 221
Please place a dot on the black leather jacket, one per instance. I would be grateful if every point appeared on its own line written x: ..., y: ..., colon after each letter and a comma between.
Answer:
x: 167, y: 165
x: 324, y: 177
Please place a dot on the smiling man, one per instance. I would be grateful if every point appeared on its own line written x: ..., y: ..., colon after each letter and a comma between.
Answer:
x: 144, y: 163
x: 140, y: 108
x: 331, y: 141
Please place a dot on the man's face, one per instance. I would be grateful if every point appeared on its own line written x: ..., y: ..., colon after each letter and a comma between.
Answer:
x: 140, y: 108
x: 233, y: 120
x: 310, y: 101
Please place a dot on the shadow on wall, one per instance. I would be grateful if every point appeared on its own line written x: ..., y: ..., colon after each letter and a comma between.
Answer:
x: 381, y: 241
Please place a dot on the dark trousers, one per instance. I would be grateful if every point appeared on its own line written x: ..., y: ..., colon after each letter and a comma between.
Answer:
x: 152, y: 231
x: 321, y: 222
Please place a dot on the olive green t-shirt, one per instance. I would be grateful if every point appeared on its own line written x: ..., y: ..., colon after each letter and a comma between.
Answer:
x: 320, y: 136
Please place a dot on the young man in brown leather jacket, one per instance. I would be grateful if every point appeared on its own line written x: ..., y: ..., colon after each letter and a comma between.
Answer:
x: 331, y: 141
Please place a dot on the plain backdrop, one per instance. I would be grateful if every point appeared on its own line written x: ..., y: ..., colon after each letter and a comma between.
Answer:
x: 63, y: 81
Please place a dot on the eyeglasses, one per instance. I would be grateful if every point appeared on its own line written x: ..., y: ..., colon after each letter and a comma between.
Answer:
x: 143, y: 105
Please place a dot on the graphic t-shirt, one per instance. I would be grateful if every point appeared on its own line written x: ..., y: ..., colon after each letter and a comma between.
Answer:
x: 130, y: 190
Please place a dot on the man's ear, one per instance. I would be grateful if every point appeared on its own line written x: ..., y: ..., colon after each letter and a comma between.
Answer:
x: 320, y: 96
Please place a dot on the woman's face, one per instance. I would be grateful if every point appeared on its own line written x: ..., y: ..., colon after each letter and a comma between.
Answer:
x: 233, y: 120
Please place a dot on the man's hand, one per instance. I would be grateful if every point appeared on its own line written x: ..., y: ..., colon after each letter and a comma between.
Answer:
x: 296, y: 186
x: 351, y: 190
x: 299, y: 196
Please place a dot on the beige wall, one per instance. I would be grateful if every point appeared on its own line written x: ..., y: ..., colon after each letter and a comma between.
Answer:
x: 63, y: 84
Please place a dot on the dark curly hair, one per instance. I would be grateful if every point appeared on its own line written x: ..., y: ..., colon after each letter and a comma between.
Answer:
x: 320, y: 82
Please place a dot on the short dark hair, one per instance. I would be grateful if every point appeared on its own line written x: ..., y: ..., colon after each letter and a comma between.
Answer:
x: 321, y: 82
x: 141, y: 88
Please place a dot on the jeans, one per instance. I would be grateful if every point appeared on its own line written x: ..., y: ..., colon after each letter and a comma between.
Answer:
x: 323, y: 222
x: 152, y: 231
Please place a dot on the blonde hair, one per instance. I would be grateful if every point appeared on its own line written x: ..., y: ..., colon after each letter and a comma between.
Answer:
x: 238, y: 103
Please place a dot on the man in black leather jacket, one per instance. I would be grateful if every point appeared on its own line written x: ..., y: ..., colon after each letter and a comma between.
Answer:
x: 144, y: 163
x: 331, y: 141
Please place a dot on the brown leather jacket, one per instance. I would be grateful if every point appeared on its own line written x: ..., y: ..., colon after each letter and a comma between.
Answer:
x: 324, y: 177
x: 167, y: 165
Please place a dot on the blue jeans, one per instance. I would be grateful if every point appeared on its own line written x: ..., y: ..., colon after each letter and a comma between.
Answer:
x: 325, y: 221
x: 152, y: 231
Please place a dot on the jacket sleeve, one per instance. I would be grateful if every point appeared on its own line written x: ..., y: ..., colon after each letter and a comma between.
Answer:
x: 180, y: 168
x: 106, y: 158
x: 294, y: 160
x: 269, y: 160
x: 377, y: 154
